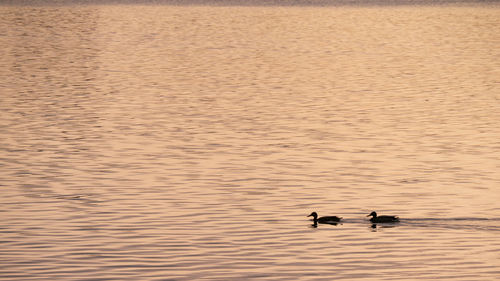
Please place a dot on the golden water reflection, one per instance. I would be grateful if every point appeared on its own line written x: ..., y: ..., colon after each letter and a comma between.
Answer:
x: 185, y: 142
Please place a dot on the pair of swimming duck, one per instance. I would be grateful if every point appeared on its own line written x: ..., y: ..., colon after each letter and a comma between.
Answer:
x: 334, y: 219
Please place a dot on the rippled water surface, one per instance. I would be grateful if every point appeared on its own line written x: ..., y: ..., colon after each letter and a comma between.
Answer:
x: 164, y: 142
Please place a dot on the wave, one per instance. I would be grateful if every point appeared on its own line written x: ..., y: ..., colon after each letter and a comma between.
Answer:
x: 257, y: 2
x: 472, y: 223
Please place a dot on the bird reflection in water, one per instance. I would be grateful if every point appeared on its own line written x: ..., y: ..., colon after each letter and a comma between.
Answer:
x: 375, y: 226
x: 315, y: 224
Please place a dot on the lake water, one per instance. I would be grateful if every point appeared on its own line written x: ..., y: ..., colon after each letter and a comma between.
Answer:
x: 189, y: 142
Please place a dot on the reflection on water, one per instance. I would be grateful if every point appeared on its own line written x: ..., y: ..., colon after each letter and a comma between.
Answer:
x: 186, y: 142
x: 378, y: 226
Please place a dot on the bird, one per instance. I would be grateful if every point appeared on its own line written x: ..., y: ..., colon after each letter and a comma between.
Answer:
x: 329, y: 219
x: 382, y: 219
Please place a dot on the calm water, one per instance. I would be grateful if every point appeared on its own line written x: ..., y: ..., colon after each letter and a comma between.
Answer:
x: 190, y: 142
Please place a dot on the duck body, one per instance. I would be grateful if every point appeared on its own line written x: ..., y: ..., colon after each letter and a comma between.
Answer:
x: 328, y: 219
x: 382, y: 219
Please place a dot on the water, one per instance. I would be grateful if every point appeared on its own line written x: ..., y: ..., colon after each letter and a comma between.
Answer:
x: 160, y: 142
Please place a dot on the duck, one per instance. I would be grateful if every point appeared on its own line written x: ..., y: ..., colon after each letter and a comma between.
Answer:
x: 329, y: 219
x: 382, y: 219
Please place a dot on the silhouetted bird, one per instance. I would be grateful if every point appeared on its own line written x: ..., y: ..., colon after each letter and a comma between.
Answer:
x: 382, y: 219
x: 330, y: 219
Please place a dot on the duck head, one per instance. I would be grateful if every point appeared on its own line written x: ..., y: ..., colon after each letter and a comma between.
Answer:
x: 373, y: 214
x: 314, y: 215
